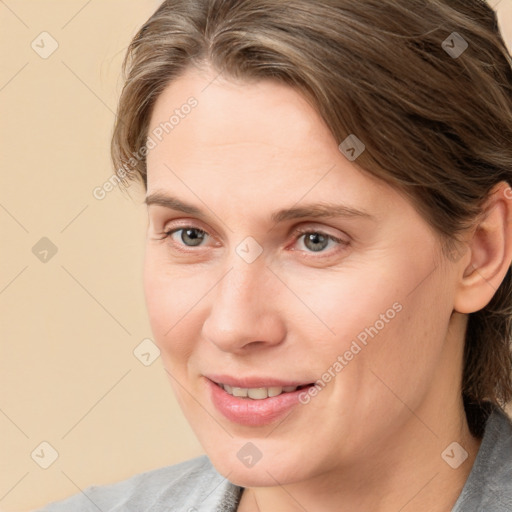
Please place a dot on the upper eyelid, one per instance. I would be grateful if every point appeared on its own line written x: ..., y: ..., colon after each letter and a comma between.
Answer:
x: 296, y: 230
x: 183, y: 224
x: 155, y: 207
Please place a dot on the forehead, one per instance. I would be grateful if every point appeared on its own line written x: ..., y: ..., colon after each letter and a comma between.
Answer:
x: 229, y: 112
x: 262, y: 141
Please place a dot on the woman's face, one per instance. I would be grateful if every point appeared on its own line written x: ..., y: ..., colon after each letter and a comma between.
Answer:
x: 257, y: 285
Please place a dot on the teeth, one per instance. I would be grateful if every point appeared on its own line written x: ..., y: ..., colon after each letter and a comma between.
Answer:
x: 257, y: 393
x: 277, y: 390
x: 240, y: 392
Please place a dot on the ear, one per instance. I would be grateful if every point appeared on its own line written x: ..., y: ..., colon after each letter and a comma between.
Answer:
x: 490, y: 252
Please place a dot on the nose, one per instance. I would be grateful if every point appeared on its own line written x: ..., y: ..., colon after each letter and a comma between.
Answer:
x: 245, y: 312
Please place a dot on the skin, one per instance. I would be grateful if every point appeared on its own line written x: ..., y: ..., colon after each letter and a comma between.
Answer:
x: 372, y: 439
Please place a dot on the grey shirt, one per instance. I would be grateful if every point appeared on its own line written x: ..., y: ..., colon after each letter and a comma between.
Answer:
x: 195, y: 485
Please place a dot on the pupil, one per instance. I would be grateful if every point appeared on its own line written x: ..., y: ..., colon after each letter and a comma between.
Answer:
x: 195, y: 240
x: 316, y: 238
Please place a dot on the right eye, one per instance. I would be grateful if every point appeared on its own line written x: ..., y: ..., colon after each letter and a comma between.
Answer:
x: 188, y: 236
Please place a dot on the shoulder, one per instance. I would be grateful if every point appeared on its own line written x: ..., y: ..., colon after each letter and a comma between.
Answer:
x: 489, y: 485
x: 191, y: 486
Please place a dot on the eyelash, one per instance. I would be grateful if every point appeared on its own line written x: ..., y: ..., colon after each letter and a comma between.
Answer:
x: 299, y: 232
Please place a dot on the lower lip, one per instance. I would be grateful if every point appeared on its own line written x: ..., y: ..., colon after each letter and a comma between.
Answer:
x: 249, y: 412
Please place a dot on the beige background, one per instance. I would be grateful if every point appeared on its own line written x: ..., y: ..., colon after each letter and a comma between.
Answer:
x: 69, y: 325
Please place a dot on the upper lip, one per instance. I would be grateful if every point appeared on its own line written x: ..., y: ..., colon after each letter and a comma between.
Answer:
x: 255, y: 382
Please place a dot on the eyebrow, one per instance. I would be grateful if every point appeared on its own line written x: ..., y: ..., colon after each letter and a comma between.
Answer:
x: 325, y: 210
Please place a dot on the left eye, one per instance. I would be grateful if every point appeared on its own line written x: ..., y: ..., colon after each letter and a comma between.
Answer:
x: 316, y: 241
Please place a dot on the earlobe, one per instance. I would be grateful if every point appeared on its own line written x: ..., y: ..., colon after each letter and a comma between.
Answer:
x: 490, y: 251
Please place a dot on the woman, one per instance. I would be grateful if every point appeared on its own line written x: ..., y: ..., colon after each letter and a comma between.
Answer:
x: 328, y: 256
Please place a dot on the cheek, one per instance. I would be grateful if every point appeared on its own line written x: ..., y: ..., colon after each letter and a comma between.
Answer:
x: 343, y: 307
x: 173, y: 299
x: 404, y: 347
x: 380, y: 316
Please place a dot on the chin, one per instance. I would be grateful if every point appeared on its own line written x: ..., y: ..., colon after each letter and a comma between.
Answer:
x: 263, y: 473
x: 256, y: 476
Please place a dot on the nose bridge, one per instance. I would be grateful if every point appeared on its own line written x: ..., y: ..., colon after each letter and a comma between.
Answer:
x: 247, y: 270
x: 243, y: 283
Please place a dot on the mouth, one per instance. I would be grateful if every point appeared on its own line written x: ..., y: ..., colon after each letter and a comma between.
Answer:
x: 254, y: 402
x: 260, y: 393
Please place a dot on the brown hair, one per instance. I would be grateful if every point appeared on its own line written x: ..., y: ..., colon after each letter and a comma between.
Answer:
x: 425, y: 84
